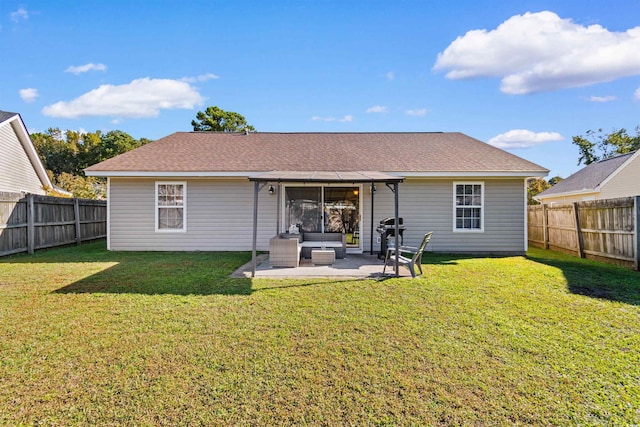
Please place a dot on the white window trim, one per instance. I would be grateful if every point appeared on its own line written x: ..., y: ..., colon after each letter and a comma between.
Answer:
x: 482, y: 207
x: 184, y: 207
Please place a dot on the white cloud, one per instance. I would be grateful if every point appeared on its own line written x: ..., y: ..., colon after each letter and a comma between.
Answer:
x: 377, y: 109
x: 79, y: 69
x: 523, y: 138
x: 29, y: 94
x: 346, y: 119
x: 390, y: 75
x: 141, y: 98
x: 636, y: 94
x: 538, y: 52
x: 19, y: 15
x: 200, y: 78
x: 607, y: 98
x: 419, y: 112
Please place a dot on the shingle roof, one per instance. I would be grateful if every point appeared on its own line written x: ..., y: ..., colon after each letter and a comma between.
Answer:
x: 258, y: 152
x: 5, y: 115
x: 588, y: 178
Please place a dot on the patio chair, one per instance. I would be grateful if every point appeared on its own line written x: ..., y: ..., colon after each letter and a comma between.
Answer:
x: 416, y: 255
x: 284, y: 252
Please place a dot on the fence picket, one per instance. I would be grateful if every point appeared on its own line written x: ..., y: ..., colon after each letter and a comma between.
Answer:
x: 606, y: 230
x: 31, y: 222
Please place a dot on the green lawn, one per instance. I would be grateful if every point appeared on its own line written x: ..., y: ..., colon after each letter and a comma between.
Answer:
x: 89, y: 337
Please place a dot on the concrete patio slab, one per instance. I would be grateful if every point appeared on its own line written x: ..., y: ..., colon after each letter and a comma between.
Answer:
x: 359, y: 266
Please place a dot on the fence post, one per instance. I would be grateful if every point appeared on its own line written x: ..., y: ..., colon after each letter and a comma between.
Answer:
x: 636, y: 234
x: 31, y: 213
x: 578, y: 230
x: 545, y: 227
x: 76, y: 213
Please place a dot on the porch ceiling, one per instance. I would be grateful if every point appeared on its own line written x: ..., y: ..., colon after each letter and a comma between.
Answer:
x: 326, y: 176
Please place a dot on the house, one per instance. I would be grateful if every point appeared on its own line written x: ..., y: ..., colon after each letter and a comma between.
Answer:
x: 20, y: 167
x: 610, y: 178
x: 197, y: 190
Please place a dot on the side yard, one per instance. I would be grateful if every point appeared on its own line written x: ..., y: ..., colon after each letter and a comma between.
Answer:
x: 89, y: 337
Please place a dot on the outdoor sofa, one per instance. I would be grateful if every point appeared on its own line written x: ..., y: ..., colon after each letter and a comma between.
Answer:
x: 286, y: 249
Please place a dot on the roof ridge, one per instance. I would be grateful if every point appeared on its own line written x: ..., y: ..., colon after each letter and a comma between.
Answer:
x: 318, y: 133
x: 617, y: 156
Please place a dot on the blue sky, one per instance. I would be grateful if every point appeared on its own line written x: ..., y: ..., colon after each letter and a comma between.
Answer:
x: 523, y: 75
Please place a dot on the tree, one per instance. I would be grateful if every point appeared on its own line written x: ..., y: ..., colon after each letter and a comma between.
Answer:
x: 536, y: 186
x: 81, y: 187
x: 65, y: 155
x: 598, y: 145
x: 56, y: 155
x: 215, y: 119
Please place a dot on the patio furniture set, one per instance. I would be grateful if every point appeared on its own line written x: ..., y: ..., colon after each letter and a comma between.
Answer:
x: 287, y: 249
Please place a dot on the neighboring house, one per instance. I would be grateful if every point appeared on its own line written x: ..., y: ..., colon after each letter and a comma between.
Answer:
x: 20, y: 167
x: 606, y: 179
x: 192, y: 190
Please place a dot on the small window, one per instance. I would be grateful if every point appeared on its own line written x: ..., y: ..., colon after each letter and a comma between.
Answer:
x: 468, y: 210
x: 171, y: 206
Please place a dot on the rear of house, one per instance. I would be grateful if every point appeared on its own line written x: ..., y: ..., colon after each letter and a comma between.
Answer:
x: 191, y: 191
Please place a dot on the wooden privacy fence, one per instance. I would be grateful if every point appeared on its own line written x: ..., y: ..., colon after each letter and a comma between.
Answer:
x: 30, y: 222
x: 607, y: 230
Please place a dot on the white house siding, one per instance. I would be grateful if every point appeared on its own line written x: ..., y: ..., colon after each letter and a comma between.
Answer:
x: 219, y: 216
x: 16, y: 171
x: 427, y: 205
x: 626, y: 183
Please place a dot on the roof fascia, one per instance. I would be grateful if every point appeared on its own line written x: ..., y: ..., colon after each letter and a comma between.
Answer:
x: 23, y: 136
x: 213, y: 174
x: 617, y: 171
x: 454, y: 174
x: 195, y: 174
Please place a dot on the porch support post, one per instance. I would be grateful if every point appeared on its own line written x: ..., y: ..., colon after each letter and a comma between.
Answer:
x: 373, y: 194
x: 256, y: 189
x: 397, y: 226
x: 278, y: 213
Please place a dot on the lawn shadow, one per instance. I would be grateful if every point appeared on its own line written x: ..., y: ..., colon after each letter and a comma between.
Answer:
x: 150, y: 273
x: 592, y: 278
x: 119, y: 280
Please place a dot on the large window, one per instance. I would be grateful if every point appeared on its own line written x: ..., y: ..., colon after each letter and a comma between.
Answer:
x: 468, y: 209
x: 171, y: 206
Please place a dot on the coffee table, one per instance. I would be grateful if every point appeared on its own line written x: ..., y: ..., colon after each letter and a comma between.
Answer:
x: 323, y: 256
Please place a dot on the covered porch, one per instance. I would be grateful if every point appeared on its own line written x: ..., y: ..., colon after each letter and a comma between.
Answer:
x: 275, y: 181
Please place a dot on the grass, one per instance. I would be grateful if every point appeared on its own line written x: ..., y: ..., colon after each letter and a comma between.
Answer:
x: 89, y: 337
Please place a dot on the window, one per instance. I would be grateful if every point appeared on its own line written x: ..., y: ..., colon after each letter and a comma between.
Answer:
x: 468, y: 206
x: 171, y: 206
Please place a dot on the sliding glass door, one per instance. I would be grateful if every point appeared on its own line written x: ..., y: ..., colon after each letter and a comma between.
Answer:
x: 326, y: 209
x: 303, y: 208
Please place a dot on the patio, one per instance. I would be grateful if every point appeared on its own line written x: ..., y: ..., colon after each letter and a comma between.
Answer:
x: 353, y: 266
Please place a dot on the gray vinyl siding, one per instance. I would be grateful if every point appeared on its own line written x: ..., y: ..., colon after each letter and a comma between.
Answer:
x: 427, y: 205
x: 219, y: 216
x: 16, y: 171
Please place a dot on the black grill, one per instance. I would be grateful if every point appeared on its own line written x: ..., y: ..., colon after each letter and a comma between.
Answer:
x: 387, y: 229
